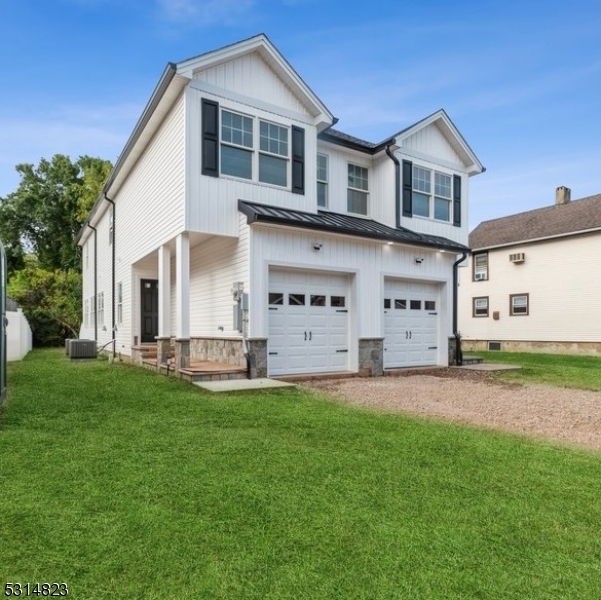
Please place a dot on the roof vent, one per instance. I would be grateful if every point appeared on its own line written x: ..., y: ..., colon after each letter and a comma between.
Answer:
x: 518, y: 257
x: 562, y: 195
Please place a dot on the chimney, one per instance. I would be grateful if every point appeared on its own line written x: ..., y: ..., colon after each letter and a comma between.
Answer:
x: 562, y: 194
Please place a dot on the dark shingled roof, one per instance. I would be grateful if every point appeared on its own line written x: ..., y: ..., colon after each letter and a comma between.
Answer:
x: 559, y: 219
x: 343, y: 224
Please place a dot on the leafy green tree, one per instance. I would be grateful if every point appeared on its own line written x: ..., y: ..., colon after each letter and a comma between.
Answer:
x: 45, y: 213
x: 51, y: 300
x: 38, y: 226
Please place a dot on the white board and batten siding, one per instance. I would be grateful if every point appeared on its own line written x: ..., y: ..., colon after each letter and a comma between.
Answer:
x: 215, y: 265
x: 247, y: 86
x: 429, y: 148
x: 364, y: 265
x: 561, y: 278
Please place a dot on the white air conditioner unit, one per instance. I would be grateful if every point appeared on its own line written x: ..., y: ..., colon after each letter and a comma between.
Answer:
x: 518, y: 257
x: 479, y: 276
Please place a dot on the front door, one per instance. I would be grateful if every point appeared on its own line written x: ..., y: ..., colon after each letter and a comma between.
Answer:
x: 150, y: 310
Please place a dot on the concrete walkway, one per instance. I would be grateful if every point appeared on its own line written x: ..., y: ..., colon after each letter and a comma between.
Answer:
x: 235, y: 385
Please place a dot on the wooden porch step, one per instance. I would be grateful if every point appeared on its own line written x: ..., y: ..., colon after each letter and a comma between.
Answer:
x: 199, y: 370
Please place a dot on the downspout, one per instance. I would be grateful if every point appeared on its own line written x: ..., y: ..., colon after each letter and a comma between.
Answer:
x: 456, y: 334
x: 397, y: 183
x: 113, y: 273
x: 95, y: 279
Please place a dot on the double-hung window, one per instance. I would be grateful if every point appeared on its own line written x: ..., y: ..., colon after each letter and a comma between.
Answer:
x: 273, y: 155
x: 481, y: 266
x: 480, y: 307
x: 120, y: 303
x: 519, y: 305
x: 431, y: 194
x: 322, y: 180
x: 100, y: 308
x: 357, y: 189
x: 236, y: 145
x: 265, y: 159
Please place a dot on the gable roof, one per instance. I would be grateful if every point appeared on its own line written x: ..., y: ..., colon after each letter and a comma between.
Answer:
x: 276, y: 61
x: 331, y: 222
x: 542, y: 223
x: 438, y: 119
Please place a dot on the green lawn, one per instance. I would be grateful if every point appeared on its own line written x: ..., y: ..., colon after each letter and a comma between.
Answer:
x: 125, y: 484
x: 555, y: 369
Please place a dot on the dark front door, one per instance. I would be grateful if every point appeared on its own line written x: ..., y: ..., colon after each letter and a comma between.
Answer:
x: 150, y: 310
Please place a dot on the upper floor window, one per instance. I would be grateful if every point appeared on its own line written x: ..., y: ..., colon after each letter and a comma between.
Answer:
x: 242, y: 155
x: 322, y: 180
x: 357, y: 189
x: 432, y: 194
x: 480, y: 266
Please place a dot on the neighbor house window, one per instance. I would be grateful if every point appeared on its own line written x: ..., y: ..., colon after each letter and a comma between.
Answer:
x: 480, y: 307
x: 431, y: 194
x: 357, y: 189
x: 519, y: 305
x: 265, y: 159
x: 119, y: 303
x: 322, y: 180
x: 480, y: 266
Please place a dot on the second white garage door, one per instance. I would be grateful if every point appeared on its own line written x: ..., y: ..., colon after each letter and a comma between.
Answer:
x: 410, y: 323
x: 308, y: 322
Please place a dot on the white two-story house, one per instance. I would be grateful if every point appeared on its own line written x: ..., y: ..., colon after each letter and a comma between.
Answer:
x: 239, y: 224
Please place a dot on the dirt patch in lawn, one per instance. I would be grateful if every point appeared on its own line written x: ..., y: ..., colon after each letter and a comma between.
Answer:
x: 560, y: 415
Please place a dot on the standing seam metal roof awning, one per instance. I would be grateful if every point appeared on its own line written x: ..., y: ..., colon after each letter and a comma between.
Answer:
x: 343, y: 224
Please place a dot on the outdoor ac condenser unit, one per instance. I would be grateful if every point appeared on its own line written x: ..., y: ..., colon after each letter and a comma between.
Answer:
x: 81, y: 349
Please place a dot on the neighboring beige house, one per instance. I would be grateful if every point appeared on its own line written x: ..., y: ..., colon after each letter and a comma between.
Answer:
x: 532, y: 281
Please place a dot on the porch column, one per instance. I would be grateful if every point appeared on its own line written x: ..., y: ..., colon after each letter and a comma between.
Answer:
x: 182, y: 299
x: 164, y: 292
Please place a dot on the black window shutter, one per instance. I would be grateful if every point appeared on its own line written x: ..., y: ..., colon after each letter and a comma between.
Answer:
x: 457, y: 200
x: 298, y: 160
x: 210, y: 138
x: 407, y: 188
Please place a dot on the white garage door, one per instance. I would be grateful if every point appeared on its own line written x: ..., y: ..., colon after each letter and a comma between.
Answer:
x: 410, y: 323
x: 308, y: 322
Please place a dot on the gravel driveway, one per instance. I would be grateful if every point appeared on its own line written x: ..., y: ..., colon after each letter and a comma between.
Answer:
x: 560, y: 415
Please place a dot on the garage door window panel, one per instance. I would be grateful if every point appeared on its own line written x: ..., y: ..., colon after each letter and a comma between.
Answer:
x: 296, y: 299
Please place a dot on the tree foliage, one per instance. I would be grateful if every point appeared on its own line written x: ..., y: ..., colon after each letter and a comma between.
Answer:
x: 38, y: 226
x: 50, y: 299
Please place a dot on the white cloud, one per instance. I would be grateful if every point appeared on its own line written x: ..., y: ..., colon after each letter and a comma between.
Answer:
x: 205, y: 12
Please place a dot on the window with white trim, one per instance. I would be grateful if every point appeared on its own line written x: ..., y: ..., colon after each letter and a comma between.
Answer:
x: 432, y: 194
x: 100, y: 309
x: 480, y: 267
x: 265, y: 158
x: 322, y: 180
x: 119, y: 303
x: 358, y: 187
x: 519, y: 305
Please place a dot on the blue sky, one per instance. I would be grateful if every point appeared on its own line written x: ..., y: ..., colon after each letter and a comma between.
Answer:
x: 521, y: 80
